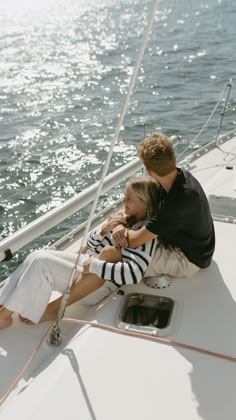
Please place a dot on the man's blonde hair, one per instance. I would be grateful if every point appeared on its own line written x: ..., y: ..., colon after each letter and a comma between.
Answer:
x: 157, y: 154
x: 148, y: 190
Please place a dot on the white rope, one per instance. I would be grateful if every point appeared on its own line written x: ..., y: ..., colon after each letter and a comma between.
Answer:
x: 107, y: 163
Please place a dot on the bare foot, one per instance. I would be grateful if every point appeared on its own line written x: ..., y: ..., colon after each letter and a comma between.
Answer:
x: 5, y: 318
x: 1, y: 306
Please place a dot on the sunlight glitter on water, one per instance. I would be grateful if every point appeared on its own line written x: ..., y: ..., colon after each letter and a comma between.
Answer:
x: 65, y: 67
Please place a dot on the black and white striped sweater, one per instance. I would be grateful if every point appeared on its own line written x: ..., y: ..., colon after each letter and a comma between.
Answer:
x: 133, y: 265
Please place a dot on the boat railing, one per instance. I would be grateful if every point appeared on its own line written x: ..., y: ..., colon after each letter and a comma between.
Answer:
x: 28, y: 233
x: 33, y: 230
x: 76, y: 234
x: 216, y: 142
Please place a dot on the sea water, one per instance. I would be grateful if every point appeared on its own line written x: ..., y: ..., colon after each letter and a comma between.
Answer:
x: 64, y: 72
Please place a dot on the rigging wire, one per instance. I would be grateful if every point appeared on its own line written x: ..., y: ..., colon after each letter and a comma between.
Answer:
x: 55, y: 338
x: 205, y: 124
x: 229, y: 86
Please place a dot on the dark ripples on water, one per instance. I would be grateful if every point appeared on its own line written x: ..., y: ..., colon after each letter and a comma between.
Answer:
x: 65, y: 67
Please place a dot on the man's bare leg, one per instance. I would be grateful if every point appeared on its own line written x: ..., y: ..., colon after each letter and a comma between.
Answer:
x: 110, y: 254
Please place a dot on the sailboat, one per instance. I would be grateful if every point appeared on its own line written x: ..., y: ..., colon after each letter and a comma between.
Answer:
x: 165, y: 350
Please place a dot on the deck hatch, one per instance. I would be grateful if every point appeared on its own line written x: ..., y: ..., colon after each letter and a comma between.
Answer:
x: 147, y: 313
x: 223, y: 207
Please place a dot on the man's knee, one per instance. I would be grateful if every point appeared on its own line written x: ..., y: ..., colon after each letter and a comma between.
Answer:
x: 106, y: 252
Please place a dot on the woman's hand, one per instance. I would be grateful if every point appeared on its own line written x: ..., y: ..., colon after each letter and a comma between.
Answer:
x: 113, y: 221
x: 120, y: 236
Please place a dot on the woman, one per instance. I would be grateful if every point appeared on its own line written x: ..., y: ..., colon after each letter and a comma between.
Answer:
x: 27, y: 291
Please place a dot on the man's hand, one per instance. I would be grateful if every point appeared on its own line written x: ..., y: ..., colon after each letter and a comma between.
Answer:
x: 86, y: 265
x: 120, y: 236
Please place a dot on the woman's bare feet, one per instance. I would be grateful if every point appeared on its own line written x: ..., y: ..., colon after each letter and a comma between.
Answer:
x: 5, y: 318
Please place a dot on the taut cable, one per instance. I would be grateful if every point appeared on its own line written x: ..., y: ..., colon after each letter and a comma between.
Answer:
x: 55, y: 337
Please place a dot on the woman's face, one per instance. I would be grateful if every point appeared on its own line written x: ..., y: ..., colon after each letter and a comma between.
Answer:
x: 134, y: 206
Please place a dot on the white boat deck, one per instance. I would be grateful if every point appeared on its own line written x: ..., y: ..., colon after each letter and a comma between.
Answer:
x: 102, y: 375
x: 216, y: 170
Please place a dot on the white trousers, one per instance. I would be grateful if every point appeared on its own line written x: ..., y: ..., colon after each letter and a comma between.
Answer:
x: 28, y: 290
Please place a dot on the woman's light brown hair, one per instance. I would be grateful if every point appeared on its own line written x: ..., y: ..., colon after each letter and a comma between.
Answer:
x: 148, y: 190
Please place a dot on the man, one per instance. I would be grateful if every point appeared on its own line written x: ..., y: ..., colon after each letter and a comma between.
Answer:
x: 183, y: 222
x: 183, y: 225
